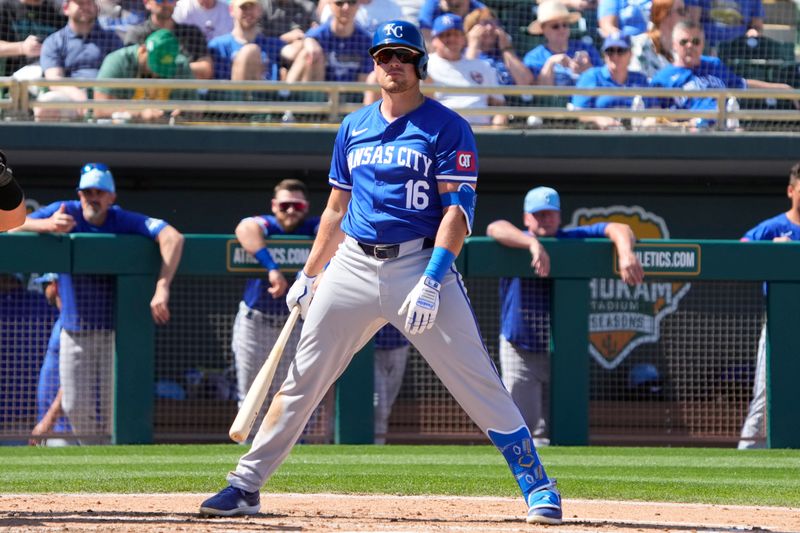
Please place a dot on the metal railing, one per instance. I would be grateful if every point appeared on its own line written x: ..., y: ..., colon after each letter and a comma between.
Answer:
x: 280, y: 97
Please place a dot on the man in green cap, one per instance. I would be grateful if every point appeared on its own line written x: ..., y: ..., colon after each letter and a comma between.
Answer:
x: 157, y: 57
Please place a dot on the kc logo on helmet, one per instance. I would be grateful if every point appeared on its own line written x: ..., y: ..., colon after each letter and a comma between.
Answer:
x: 392, y: 29
x: 465, y: 161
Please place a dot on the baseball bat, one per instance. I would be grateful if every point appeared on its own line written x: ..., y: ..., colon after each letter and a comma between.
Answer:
x: 255, y: 397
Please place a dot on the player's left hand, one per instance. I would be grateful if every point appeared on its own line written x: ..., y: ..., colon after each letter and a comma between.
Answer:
x: 421, y: 305
x: 158, y: 305
x: 278, y: 283
x: 630, y: 269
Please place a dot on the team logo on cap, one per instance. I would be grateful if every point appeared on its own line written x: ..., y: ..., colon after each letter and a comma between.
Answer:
x: 394, y: 30
x: 465, y: 161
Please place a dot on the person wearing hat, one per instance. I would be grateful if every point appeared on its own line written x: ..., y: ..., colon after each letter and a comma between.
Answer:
x: 617, y: 55
x: 448, y: 66
x: 246, y: 53
x: 157, y: 57
x: 559, y: 60
x: 87, y: 301
x: 525, y: 302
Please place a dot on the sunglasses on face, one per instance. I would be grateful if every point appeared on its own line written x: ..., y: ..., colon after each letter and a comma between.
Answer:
x: 297, y: 206
x: 384, y: 55
x: 340, y: 3
x: 616, y: 51
x: 558, y: 25
x: 695, y: 41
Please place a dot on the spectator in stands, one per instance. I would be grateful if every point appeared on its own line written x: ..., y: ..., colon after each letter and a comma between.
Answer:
x: 370, y: 12
x: 288, y: 20
x: 617, y: 55
x: 692, y: 70
x: 86, y: 313
x: 525, y: 302
x: 448, y: 66
x: 781, y: 228
x: 390, y: 357
x: 120, y: 15
x: 487, y: 40
x: 12, y: 199
x: 75, y: 51
x: 652, y: 51
x: 212, y: 17
x: 336, y: 50
x: 432, y: 9
x: 193, y: 44
x: 623, y: 16
x: 24, y: 25
x: 245, y: 53
x: 560, y: 60
x: 262, y: 311
x: 725, y: 21
x: 158, y: 57
x: 50, y: 415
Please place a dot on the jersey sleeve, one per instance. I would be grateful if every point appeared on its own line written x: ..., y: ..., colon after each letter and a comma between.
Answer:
x: 456, y: 153
x: 592, y: 231
x: 608, y: 7
x: 48, y: 58
x: 762, y: 232
x: 339, y: 175
x: 46, y: 211
x: 139, y: 224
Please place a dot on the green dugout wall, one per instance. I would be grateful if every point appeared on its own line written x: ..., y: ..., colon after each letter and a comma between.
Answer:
x: 134, y: 261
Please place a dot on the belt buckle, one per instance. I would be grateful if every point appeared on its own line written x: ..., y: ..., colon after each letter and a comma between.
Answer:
x: 384, y: 252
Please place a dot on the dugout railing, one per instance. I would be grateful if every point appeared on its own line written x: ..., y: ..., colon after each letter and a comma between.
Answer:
x: 134, y: 263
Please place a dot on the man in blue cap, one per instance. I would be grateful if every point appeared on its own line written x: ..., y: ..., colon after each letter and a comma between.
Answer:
x: 87, y: 300
x: 525, y: 303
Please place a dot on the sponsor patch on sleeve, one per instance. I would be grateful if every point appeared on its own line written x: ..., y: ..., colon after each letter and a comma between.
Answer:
x: 465, y: 161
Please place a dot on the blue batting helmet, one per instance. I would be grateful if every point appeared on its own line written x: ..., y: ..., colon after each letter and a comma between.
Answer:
x: 400, y: 33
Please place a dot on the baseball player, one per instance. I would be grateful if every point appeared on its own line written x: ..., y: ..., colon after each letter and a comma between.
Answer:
x: 403, y: 177
x: 12, y: 200
x: 782, y: 228
x: 262, y: 311
x: 87, y: 335
x: 525, y: 303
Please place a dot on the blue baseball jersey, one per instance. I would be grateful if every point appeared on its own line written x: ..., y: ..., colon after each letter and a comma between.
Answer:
x: 711, y: 73
x: 601, y: 77
x: 223, y: 50
x: 393, y: 170
x: 562, y: 76
x: 524, y: 301
x: 255, y: 289
x: 49, y: 382
x: 345, y: 57
x: 432, y: 9
x: 389, y: 338
x: 778, y: 226
x: 86, y: 301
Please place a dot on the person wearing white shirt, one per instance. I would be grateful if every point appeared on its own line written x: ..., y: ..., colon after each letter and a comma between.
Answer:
x: 213, y: 17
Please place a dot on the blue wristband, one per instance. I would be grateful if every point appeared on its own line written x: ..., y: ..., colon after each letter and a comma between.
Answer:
x: 441, y: 260
x: 265, y: 258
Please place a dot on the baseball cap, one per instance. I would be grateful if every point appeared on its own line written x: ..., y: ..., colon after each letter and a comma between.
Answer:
x: 542, y: 199
x: 616, y: 40
x: 96, y: 176
x: 446, y: 22
x: 49, y: 277
x: 162, y: 50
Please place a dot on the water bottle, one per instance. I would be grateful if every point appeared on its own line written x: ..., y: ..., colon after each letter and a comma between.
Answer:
x: 637, y: 105
x: 732, y: 106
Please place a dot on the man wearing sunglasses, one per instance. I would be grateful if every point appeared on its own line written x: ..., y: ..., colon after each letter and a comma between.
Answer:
x: 692, y: 70
x: 262, y: 311
x: 87, y: 301
x: 403, y: 176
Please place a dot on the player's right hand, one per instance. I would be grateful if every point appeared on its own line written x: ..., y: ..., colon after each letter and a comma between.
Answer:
x: 61, y: 221
x: 421, y: 305
x: 300, y: 293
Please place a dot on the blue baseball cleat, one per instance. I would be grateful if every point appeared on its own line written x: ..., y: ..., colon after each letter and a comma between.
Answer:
x: 544, y: 506
x: 231, y: 501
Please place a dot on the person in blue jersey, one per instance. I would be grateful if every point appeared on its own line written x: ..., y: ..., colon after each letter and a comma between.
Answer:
x: 390, y: 358
x: 87, y: 334
x: 525, y: 302
x: 403, y: 177
x: 560, y: 60
x: 246, y: 53
x: 433, y: 9
x: 693, y: 71
x: 781, y: 228
x: 335, y: 50
x: 617, y: 55
x: 262, y: 311
x: 487, y: 40
x: 50, y: 416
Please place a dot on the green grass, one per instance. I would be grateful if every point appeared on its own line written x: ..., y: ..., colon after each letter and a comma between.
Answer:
x: 702, y: 475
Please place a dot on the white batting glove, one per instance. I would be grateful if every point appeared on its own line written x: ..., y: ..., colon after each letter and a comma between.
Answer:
x: 300, y: 293
x: 421, y: 305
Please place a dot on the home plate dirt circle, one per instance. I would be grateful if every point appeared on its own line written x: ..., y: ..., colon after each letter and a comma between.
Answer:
x: 336, y: 512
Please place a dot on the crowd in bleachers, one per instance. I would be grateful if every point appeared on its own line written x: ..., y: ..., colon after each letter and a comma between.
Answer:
x: 609, y: 43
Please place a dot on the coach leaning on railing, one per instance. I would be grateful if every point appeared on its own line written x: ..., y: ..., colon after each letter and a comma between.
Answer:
x: 12, y: 205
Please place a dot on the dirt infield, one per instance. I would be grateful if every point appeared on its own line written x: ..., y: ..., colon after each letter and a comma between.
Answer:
x: 331, y: 512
